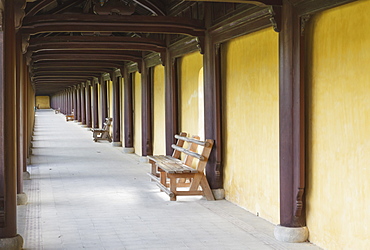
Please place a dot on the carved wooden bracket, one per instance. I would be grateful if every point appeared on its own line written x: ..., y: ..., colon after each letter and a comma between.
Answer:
x: 276, y: 17
x: 304, y: 20
x: 200, y: 45
x: 114, y: 6
x: 19, y: 6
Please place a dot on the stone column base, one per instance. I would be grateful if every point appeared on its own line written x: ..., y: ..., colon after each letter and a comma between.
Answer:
x: 21, y: 199
x: 117, y: 144
x: 291, y: 234
x: 219, y: 194
x: 128, y: 150
x: 14, y: 243
x: 26, y: 175
x: 144, y: 159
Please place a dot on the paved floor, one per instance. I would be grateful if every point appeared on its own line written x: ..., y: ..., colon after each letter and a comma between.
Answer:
x: 86, y: 195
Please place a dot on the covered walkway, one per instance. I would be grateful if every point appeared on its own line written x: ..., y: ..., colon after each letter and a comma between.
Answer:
x: 86, y: 195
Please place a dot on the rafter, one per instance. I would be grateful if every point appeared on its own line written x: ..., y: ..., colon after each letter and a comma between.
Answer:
x: 65, y: 6
x: 38, y: 6
x: 93, y: 23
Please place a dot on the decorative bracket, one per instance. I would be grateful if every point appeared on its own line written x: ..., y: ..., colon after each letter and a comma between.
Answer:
x: 304, y: 20
x: 200, y: 44
x: 275, y: 19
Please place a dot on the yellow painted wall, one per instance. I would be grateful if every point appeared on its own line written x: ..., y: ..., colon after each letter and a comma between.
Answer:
x: 159, y: 136
x: 137, y: 113
x: 190, y: 67
x: 338, y: 188
x: 43, y: 102
x: 251, y: 123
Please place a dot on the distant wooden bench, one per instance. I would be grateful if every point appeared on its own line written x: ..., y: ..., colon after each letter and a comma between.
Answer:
x: 102, y: 133
x: 57, y: 111
x: 171, y: 173
x: 71, y: 116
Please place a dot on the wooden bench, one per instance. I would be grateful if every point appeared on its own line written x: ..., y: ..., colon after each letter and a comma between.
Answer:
x: 102, y: 133
x: 171, y: 173
x: 71, y: 116
x: 57, y: 111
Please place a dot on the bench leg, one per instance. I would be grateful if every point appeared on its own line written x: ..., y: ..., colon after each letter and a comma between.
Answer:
x: 206, y: 189
x: 173, y: 188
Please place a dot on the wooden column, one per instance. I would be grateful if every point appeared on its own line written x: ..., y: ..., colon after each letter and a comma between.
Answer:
x: 116, y: 136
x: 212, y: 109
x: 75, y: 109
x: 292, y: 121
x: 171, y: 106
x: 8, y: 143
x: 95, y: 111
x: 88, y: 104
x: 83, y: 103
x: 103, y: 98
x: 146, y: 121
x: 128, y: 112
x: 78, y: 97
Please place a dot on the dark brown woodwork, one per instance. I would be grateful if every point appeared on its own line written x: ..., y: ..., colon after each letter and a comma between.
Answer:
x: 262, y: 3
x: 314, y: 6
x: 171, y: 99
x: 19, y: 112
x: 65, y: 6
x: 292, y: 119
x: 114, y: 23
x: 103, y: 98
x: 128, y: 109
x: 8, y: 147
x: 95, y: 84
x: 155, y: 7
x: 83, y: 103
x: 76, y: 64
x: 75, y: 103
x: 88, y: 104
x: 147, y: 145
x: 37, y: 6
x: 213, y: 107
x: 79, y: 108
x: 116, y: 136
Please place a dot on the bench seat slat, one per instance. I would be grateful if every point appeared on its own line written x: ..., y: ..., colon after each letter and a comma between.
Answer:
x: 175, y: 167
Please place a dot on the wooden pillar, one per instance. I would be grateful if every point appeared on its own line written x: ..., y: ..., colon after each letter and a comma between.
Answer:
x: 83, y: 103
x: 146, y: 82
x: 103, y: 98
x: 88, y: 104
x: 128, y: 112
x: 116, y: 136
x: 95, y: 113
x: 212, y: 109
x: 21, y: 196
x: 8, y: 143
x: 78, y: 95
x: 75, y: 101
x: 171, y: 102
x: 292, y: 121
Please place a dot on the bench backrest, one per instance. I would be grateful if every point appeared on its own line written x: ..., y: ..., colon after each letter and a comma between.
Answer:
x: 191, y: 153
x: 107, y: 123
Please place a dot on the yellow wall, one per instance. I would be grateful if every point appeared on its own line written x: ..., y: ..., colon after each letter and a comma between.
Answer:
x: 190, y: 68
x: 159, y: 136
x: 338, y: 188
x: 137, y: 113
x: 250, y: 123
x: 43, y: 102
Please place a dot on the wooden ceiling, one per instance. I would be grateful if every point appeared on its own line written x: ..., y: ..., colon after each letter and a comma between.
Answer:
x: 67, y: 42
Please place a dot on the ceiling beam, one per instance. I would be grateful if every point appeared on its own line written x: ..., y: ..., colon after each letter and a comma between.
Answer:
x: 93, y: 23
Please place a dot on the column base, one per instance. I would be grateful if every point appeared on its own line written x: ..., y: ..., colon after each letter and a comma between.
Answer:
x: 219, y: 194
x: 14, y: 243
x: 291, y: 234
x: 117, y: 144
x: 83, y: 125
x: 26, y: 175
x: 128, y: 150
x: 21, y: 199
x: 144, y: 159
